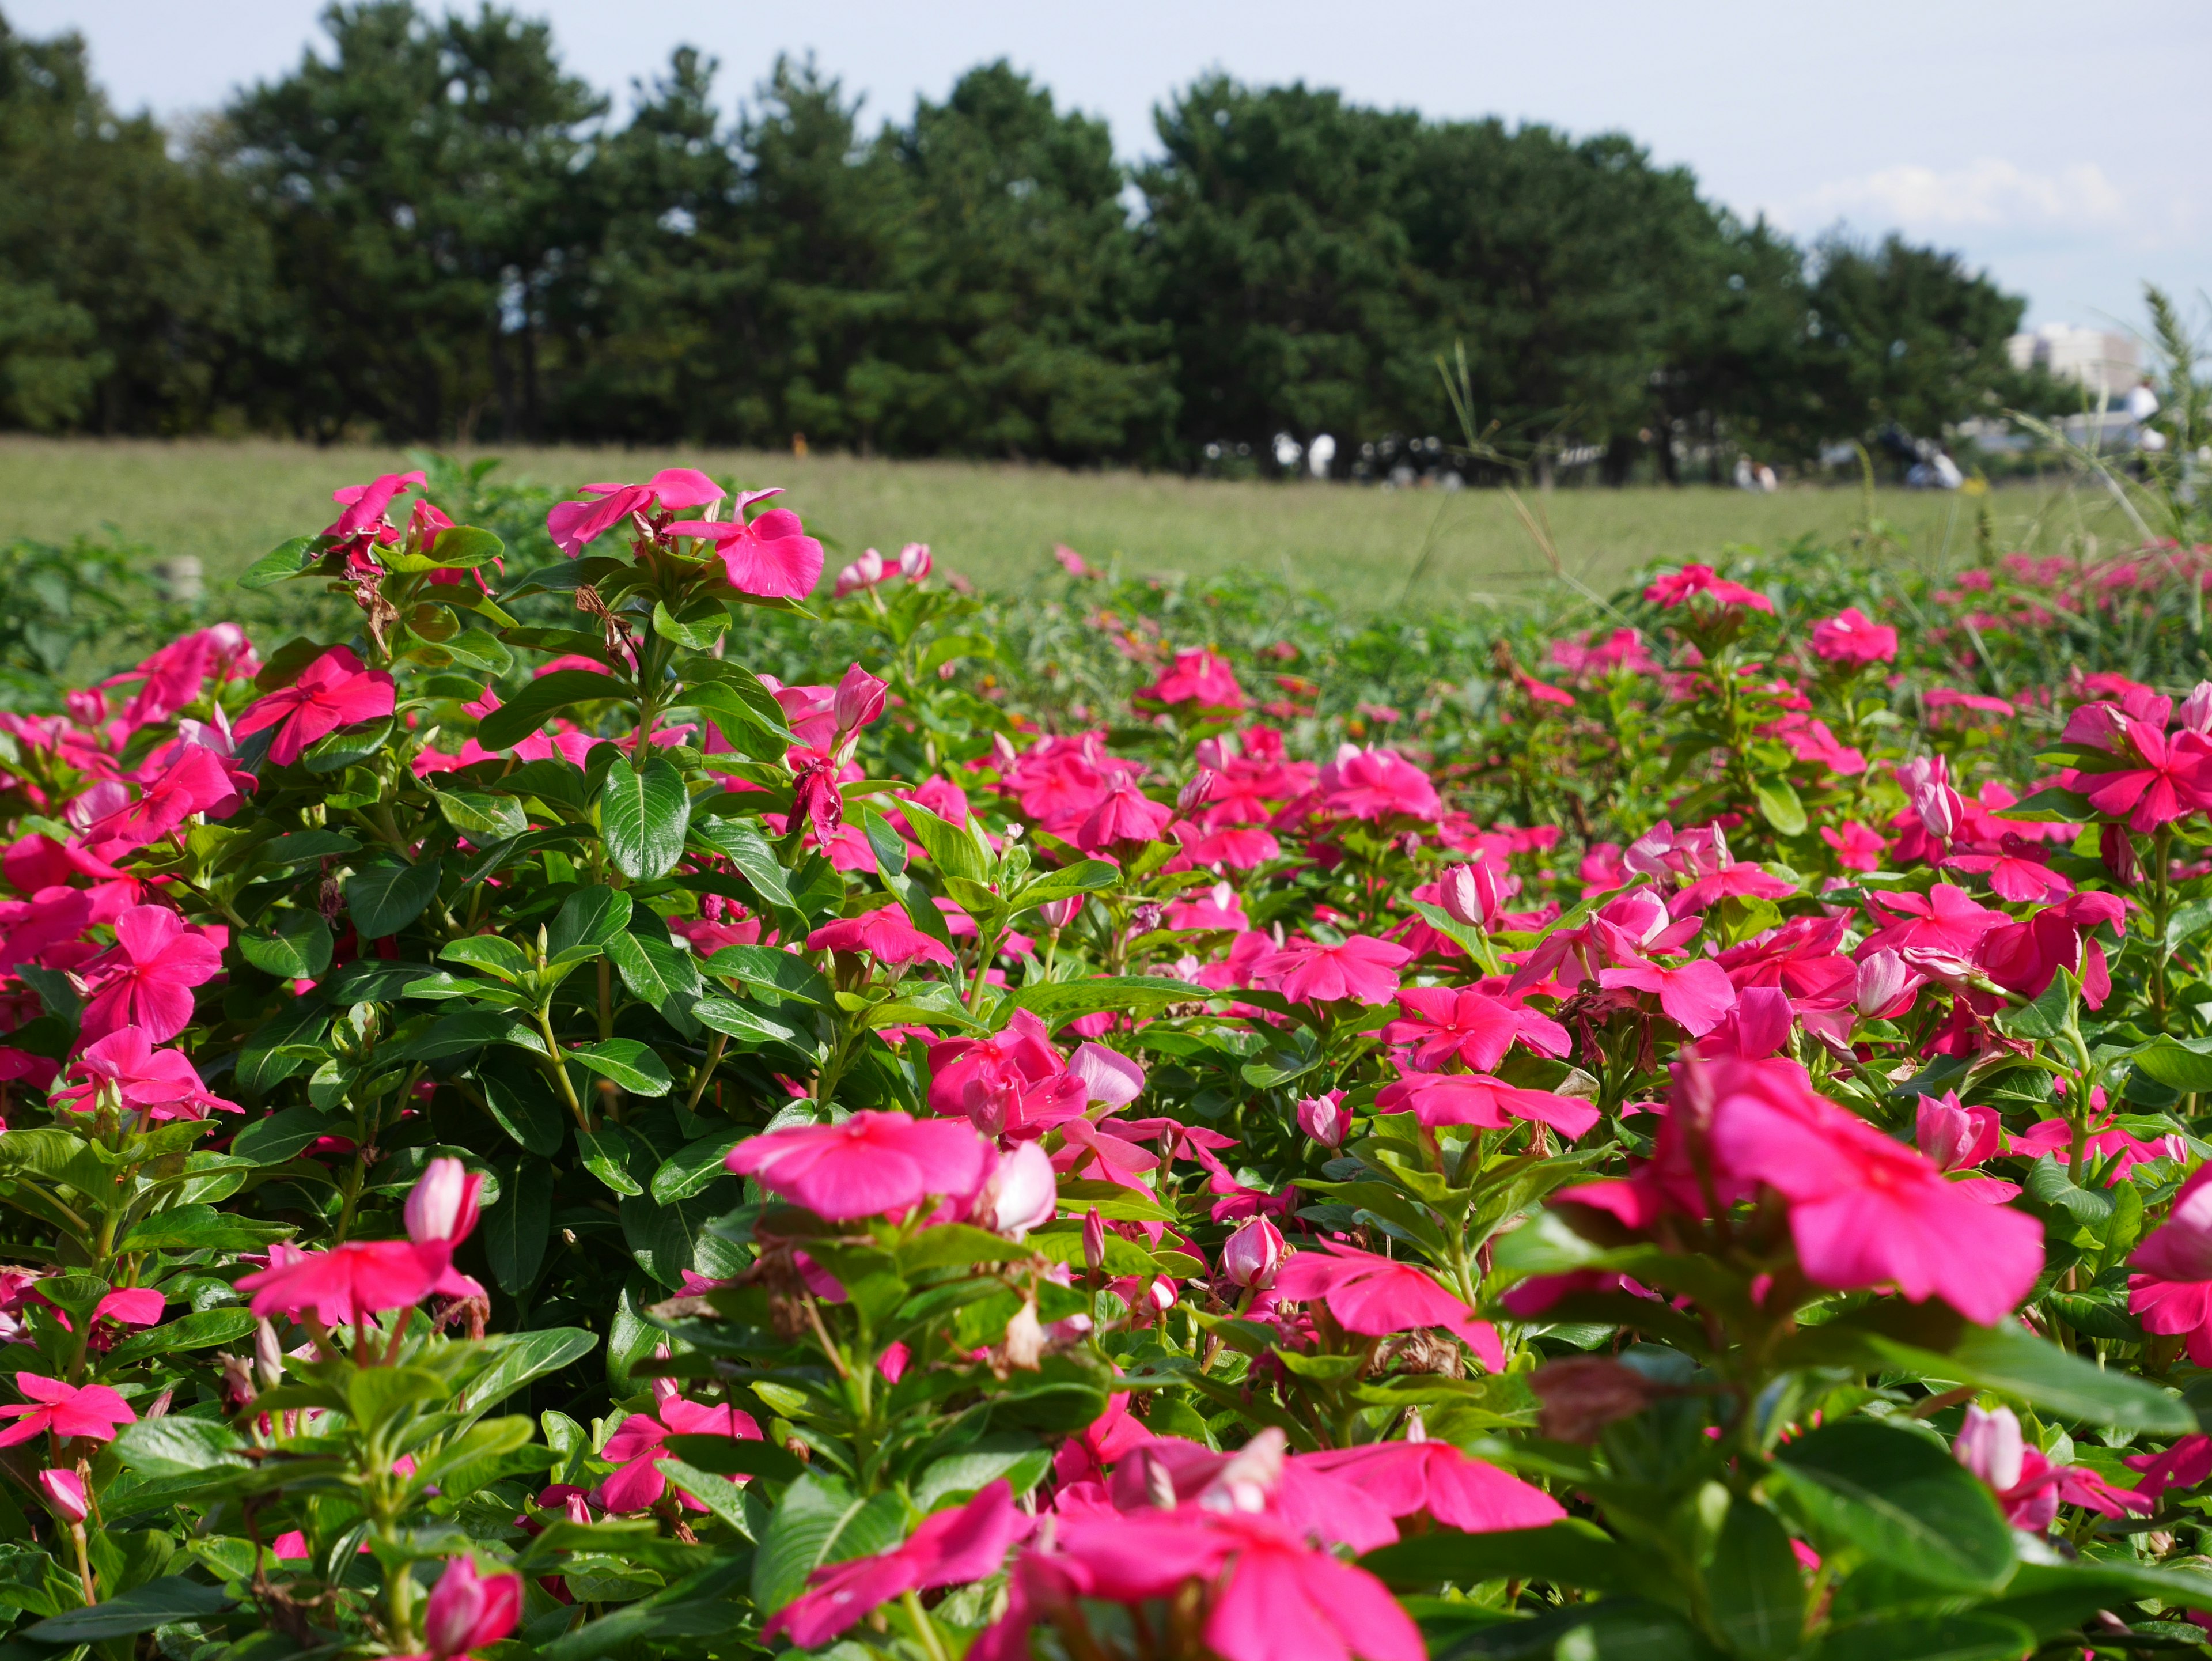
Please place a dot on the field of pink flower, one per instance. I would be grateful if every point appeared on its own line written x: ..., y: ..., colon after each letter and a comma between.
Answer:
x: 639, y: 1096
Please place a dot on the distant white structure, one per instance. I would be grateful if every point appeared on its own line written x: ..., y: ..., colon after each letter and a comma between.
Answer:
x: 1320, y: 453
x: 2101, y: 360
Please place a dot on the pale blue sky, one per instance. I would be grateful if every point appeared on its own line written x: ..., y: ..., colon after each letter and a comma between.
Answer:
x: 2063, y: 146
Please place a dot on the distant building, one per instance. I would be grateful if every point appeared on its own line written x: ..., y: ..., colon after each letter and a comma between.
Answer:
x: 2104, y: 361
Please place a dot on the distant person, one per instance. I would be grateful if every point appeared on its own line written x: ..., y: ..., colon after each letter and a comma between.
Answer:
x: 1936, y: 472
x: 2142, y: 404
x: 799, y: 447
x: 1745, y: 479
x: 1768, y: 483
x: 1318, y: 454
x: 1288, y: 450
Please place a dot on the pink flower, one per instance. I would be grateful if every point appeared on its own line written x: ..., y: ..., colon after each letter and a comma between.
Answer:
x: 573, y: 524
x: 2171, y: 1294
x: 146, y: 979
x: 1010, y: 1084
x: 1362, y: 970
x: 886, y: 936
x: 194, y: 781
x: 64, y: 1411
x: 864, y: 572
x: 1680, y: 587
x: 771, y: 557
x: 915, y: 562
x: 1123, y: 814
x: 2154, y: 778
x: 1443, y: 1025
x: 1475, y: 893
x: 335, y: 690
x: 1324, y: 1118
x: 1250, y: 1256
x: 1074, y: 563
x: 1436, y: 1099
x: 359, y: 1278
x: 638, y: 1445
x: 1023, y: 1193
x: 1857, y: 847
x: 366, y: 505
x: 1695, y: 996
x: 1376, y: 785
x: 859, y: 700
x: 1854, y: 640
x: 64, y: 1492
x: 1435, y: 1477
x: 873, y: 1164
x: 2027, y: 1483
x: 1198, y: 678
x: 2183, y: 1466
x: 467, y: 1611
x: 160, y: 1083
x: 950, y: 1548
x: 1373, y: 1296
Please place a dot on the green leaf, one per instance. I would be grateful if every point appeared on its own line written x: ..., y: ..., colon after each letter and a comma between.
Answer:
x: 286, y: 559
x: 688, y: 1169
x: 297, y: 946
x: 1901, y: 1498
x: 201, y: 1228
x: 1928, y: 1638
x: 516, y: 1229
x: 765, y: 968
x: 1084, y: 876
x: 518, y: 1096
x: 1139, y: 993
x: 951, y: 848
x: 1573, y: 1553
x: 511, y: 723
x: 468, y: 1031
x: 743, y: 842
x: 1757, y: 1595
x: 481, y: 816
x: 2008, y: 1358
x: 605, y: 1154
x: 643, y: 813
x: 1017, y: 1457
x: 589, y: 918
x: 2177, y: 1065
x: 631, y: 1064
x: 742, y: 1022
x: 385, y: 899
x: 203, y: 1328
x: 459, y: 546
x: 519, y: 1357
x: 282, y: 1135
x: 1779, y: 807
x: 157, y: 1603
x: 819, y: 1521
x: 177, y: 1446
x: 2049, y: 1016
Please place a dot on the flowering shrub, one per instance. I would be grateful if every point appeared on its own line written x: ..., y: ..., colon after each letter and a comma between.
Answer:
x: 522, y: 1130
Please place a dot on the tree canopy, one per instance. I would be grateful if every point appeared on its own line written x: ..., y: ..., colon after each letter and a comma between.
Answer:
x: 431, y: 227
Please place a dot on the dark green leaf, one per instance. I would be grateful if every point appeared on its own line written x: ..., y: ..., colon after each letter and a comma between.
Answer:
x: 545, y: 696
x: 286, y: 559
x: 282, y: 1135
x: 156, y: 1603
x: 1901, y: 1498
x: 643, y: 815
x: 516, y: 1095
x: 385, y: 899
x: 516, y: 1229
x: 1757, y: 1594
x: 819, y: 1521
x: 293, y: 945
x: 631, y: 1064
x: 1927, y: 1637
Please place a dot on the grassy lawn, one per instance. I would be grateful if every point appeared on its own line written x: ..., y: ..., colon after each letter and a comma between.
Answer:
x: 230, y: 502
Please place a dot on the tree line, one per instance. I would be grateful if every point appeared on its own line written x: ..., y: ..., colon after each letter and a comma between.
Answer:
x: 431, y: 230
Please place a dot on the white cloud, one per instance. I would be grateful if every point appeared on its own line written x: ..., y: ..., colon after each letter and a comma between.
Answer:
x: 1985, y: 194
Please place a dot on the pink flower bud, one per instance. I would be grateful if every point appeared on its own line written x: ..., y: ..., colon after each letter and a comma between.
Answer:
x: 443, y: 1205
x: 467, y: 1612
x: 1989, y: 1445
x: 2196, y: 711
x: 1251, y: 1256
x: 1094, y: 1242
x: 864, y: 572
x: 1196, y: 792
x: 1469, y: 894
x: 2118, y: 850
x: 1024, y: 1192
x: 1324, y: 1118
x: 860, y: 699
x: 63, y: 1490
x: 1217, y: 752
x: 1883, y: 979
x: 914, y: 561
x: 1954, y: 1136
x: 1058, y: 914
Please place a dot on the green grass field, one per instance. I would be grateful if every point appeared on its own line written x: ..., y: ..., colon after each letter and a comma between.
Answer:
x: 228, y: 504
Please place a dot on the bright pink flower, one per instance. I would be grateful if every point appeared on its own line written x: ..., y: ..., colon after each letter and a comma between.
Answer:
x: 950, y: 1548
x: 859, y: 700
x: 335, y: 690
x: 871, y: 1163
x: 641, y: 1443
x: 2154, y: 779
x: 1740, y: 879
x: 573, y: 524
x: 1475, y: 893
x: 1680, y: 587
x: 2184, y: 1465
x: 1376, y: 785
x: 1954, y: 1136
x: 2172, y: 1292
x: 1362, y: 970
x: 886, y: 936
x: 366, y: 505
x: 1443, y: 1025
x: 160, y: 1083
x: 1695, y: 996
x: 146, y: 979
x: 771, y: 555
x: 195, y: 781
x: 1124, y: 814
x: 1198, y: 678
x: 1022, y: 1193
x: 1854, y: 640
x: 2026, y: 957
x: 1438, y: 1098
x: 2025, y: 1483
x: 1435, y: 1477
x: 1108, y: 1075
x: 467, y: 1611
x: 359, y: 1278
x: 1013, y: 1083
x: 1946, y: 918
x: 64, y: 1410
x: 1864, y: 1210
x: 442, y: 1204
x: 864, y: 572
x: 1857, y: 847
x: 915, y: 562
x: 1373, y: 1296
x: 1324, y: 1119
